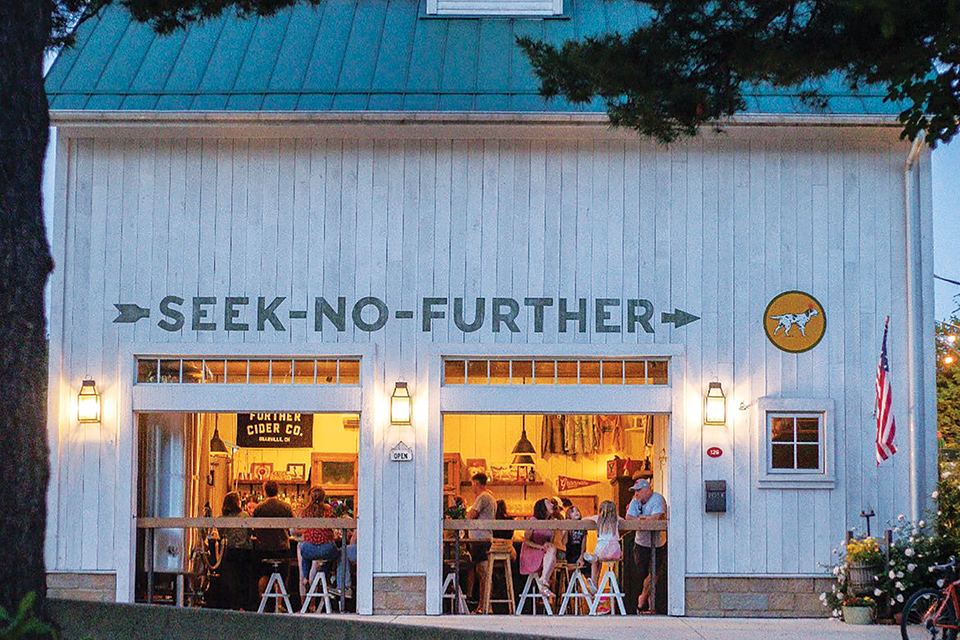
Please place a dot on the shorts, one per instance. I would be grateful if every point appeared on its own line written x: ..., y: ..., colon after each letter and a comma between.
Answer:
x: 608, y: 551
x: 479, y: 550
x: 641, y: 557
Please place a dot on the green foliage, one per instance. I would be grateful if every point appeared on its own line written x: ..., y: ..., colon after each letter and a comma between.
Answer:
x: 948, y: 388
x: 25, y: 623
x: 691, y: 63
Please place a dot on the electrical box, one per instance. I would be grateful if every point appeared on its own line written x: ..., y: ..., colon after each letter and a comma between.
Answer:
x: 716, y: 496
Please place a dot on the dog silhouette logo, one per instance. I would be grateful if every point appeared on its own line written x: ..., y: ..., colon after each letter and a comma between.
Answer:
x: 794, y: 321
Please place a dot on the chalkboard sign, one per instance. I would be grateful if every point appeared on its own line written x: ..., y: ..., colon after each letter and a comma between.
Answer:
x: 275, y: 430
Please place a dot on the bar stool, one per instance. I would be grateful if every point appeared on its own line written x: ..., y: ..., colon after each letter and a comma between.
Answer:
x: 450, y: 591
x: 532, y: 591
x: 276, y: 581
x: 576, y: 590
x: 319, y: 580
x: 500, y: 551
x: 608, y: 579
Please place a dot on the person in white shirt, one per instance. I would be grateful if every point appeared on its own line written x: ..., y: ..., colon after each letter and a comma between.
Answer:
x: 648, y: 505
x: 484, y: 508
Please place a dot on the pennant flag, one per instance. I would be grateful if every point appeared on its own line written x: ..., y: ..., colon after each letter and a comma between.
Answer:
x: 565, y: 484
x: 886, y: 424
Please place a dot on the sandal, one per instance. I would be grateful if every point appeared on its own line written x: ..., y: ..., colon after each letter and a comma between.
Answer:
x: 545, y: 589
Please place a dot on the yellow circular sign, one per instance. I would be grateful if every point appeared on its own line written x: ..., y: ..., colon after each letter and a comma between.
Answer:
x: 794, y: 321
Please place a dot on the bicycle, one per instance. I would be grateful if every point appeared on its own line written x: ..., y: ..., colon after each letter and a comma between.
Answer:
x: 933, y: 614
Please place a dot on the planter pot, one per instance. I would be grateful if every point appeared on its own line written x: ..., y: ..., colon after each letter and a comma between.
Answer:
x: 858, y: 615
x: 862, y: 576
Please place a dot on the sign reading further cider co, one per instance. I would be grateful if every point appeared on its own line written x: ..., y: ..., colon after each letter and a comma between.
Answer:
x: 273, y: 430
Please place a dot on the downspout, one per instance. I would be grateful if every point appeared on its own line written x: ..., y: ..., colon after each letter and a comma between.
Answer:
x: 915, y: 413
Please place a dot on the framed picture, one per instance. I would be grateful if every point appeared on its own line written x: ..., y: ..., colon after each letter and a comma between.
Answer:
x: 452, y: 465
x: 334, y: 471
x: 297, y: 470
x: 261, y: 471
x: 586, y: 504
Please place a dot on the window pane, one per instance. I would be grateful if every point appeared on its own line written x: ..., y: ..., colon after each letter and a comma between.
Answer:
x: 281, y: 371
x: 656, y: 372
x: 349, y: 372
x: 782, y: 456
x: 192, y: 371
x: 636, y: 372
x: 808, y: 456
x: 259, y: 372
x: 146, y: 370
x: 522, y: 371
x: 589, y: 372
x: 304, y: 371
x: 454, y: 372
x: 612, y: 371
x: 214, y: 371
x: 237, y: 371
x: 500, y: 372
x: 170, y: 371
x: 782, y: 430
x: 477, y: 372
x: 567, y: 372
x: 326, y: 372
x: 808, y: 430
x: 545, y: 371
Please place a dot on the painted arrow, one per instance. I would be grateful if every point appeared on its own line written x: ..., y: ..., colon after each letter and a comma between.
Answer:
x: 130, y: 313
x: 678, y: 318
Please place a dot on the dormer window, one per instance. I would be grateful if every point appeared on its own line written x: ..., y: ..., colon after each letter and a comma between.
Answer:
x: 494, y: 7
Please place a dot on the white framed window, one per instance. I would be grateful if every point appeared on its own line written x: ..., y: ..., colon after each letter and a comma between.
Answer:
x: 494, y: 7
x: 796, y: 443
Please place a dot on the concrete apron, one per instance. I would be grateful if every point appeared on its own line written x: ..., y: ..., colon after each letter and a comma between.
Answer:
x: 103, y: 621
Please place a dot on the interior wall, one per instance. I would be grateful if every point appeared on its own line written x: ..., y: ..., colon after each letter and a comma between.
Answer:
x: 492, y: 438
x: 329, y: 436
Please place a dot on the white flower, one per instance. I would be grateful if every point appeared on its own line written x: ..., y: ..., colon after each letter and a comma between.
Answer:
x: 823, y: 597
x: 921, y: 524
x: 893, y: 575
x: 908, y: 552
x: 899, y: 585
x: 899, y: 597
x: 929, y: 569
x: 877, y: 592
x: 911, y: 567
x: 899, y: 574
x: 935, y: 495
x: 896, y: 529
x: 945, y: 474
x: 836, y: 571
x: 940, y: 582
x: 901, y: 518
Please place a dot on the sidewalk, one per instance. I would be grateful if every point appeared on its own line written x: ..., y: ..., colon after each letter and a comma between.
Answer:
x: 653, y: 627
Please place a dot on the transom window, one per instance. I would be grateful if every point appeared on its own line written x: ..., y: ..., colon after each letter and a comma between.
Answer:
x: 796, y: 442
x: 494, y: 7
x: 554, y: 371
x: 218, y: 370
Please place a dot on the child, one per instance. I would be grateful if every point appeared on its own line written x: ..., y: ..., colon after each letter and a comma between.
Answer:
x: 573, y: 540
x: 608, y: 540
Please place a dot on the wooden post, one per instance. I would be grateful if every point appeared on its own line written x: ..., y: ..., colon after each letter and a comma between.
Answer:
x: 149, y: 551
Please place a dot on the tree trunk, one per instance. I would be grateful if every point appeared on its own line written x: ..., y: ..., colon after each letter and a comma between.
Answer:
x: 25, y: 263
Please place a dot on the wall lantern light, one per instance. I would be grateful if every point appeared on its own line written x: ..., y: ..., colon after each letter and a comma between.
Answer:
x: 88, y: 402
x: 715, y: 405
x: 400, y: 404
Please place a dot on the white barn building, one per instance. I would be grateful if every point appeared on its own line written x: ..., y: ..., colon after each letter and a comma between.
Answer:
x: 290, y: 215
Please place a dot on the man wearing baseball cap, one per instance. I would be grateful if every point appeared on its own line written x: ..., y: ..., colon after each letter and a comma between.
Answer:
x: 648, y: 505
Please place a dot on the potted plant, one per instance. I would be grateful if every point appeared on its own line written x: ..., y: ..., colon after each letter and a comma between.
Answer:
x: 864, y: 563
x: 858, y: 609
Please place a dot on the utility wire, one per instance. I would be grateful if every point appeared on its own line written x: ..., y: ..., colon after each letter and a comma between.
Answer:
x: 946, y: 280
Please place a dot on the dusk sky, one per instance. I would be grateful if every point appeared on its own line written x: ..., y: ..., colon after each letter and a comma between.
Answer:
x: 946, y: 227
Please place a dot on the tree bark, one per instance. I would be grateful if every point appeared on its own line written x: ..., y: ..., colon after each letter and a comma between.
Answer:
x: 25, y: 263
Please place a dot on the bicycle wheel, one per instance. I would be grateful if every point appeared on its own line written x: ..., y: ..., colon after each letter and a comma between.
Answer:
x: 918, y: 613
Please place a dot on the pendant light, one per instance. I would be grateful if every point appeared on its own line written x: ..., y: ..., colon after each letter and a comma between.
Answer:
x: 524, y: 448
x: 216, y: 443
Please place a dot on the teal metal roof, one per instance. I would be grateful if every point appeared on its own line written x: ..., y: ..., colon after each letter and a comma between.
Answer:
x: 350, y: 55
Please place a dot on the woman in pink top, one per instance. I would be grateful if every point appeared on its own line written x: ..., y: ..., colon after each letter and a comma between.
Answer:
x: 537, y: 552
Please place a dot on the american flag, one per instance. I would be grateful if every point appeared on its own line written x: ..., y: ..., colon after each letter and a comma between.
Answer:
x: 886, y: 424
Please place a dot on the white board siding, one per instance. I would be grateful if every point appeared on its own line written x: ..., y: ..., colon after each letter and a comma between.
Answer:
x: 715, y: 226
